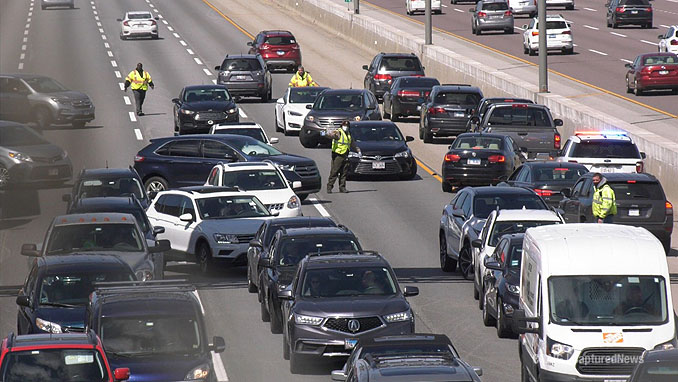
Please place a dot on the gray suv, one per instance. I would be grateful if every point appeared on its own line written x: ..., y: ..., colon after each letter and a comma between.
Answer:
x: 336, y: 299
x: 28, y: 97
x: 491, y: 15
x: 245, y: 75
x: 385, y: 67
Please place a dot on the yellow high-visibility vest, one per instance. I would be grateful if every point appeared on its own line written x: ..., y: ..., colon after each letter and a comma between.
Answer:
x: 138, y: 82
x: 341, y: 145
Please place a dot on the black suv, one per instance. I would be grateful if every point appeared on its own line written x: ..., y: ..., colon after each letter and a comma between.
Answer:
x: 245, y: 75
x: 105, y: 182
x: 335, y: 300
x: 626, y: 12
x: 288, y: 247
x: 447, y: 111
x: 199, y: 107
x: 332, y: 108
x: 385, y: 67
x: 156, y: 330
x: 641, y: 202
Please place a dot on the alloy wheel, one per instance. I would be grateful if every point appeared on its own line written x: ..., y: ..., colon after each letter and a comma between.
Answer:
x: 4, y: 177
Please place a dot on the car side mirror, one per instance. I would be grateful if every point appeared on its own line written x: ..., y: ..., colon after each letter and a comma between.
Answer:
x: 158, y: 230
x: 643, y: 155
x: 458, y: 213
x: 30, y: 250
x: 218, y: 344
x: 176, y: 101
x: 186, y: 218
x: 492, y: 264
x: 661, y: 36
x: 286, y: 294
x: 365, y: 67
x: 280, y: 101
x: 471, y: 10
x: 520, y: 322
x: 265, y: 262
x: 256, y: 243
x: 156, y: 18
x: 121, y: 374
x: 566, y: 192
x: 218, y: 68
x: 23, y: 300
x: 120, y: 20
x: 250, y: 43
x: 274, y: 212
x: 274, y: 140
x: 66, y: 198
x: 296, y: 184
x: 410, y: 291
x: 338, y: 375
x: 409, y: 138
x: 558, y: 122
x: 523, y: 149
x: 478, y: 371
x: 160, y: 246
x: 628, y: 66
x: 477, y: 243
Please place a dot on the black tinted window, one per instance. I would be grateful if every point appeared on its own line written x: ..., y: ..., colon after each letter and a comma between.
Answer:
x: 172, y: 205
x: 418, y: 82
x: 634, y: 2
x: 200, y: 95
x: 556, y: 25
x: 376, y: 133
x: 637, y: 191
x: 519, y: 115
x: 280, y: 40
x: 339, y: 101
x: 182, y: 149
x: 495, y: 6
x: 241, y: 64
x: 605, y: 150
x: 556, y: 174
x: 478, y: 142
x: 465, y: 100
x: 304, y: 95
x: 483, y: 205
x: 217, y: 150
x: 408, y: 64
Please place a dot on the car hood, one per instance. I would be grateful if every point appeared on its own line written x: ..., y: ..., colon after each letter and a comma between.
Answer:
x: 237, y: 226
x: 45, y: 152
x: 160, y: 367
x: 208, y: 105
x: 381, y: 147
x: 298, y: 107
x: 136, y: 260
x: 69, y: 317
x: 282, y: 195
x: 337, y: 114
x: 284, y: 159
x: 351, y: 306
x: 71, y: 95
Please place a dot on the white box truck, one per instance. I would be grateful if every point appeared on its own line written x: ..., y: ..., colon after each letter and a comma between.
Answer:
x: 593, y: 297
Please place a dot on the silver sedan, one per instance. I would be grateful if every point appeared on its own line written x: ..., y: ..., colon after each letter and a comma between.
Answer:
x: 138, y: 24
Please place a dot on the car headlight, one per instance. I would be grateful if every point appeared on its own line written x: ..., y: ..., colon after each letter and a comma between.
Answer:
x: 62, y: 101
x: 399, y: 317
x: 223, y: 238
x: 186, y: 111
x: 19, y: 157
x: 144, y: 275
x: 307, y: 320
x: 293, y: 203
x: 403, y: 154
x: 515, y: 289
x: 310, y: 118
x: 294, y: 113
x: 357, y: 118
x: 353, y: 154
x: 286, y: 167
x: 199, y: 372
x: 667, y: 345
x: 47, y: 326
x: 558, y: 350
x: 232, y: 111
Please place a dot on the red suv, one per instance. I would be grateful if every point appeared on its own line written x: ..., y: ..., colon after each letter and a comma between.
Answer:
x: 56, y: 357
x: 279, y: 49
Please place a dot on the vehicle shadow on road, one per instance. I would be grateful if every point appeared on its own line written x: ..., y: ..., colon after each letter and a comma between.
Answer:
x: 428, y: 275
x: 71, y: 127
x: 18, y: 203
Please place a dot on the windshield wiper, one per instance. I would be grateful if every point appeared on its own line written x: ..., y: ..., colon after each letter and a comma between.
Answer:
x: 60, y: 305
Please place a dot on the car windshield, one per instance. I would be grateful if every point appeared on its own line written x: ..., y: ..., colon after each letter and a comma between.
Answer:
x: 206, y: 95
x: 280, y: 40
x: 230, y: 207
x: 519, y: 115
x: 17, y: 135
x: 255, y: 133
x: 607, y: 300
x: 400, y: 64
x: 254, y: 180
x: 638, y: 191
x: 254, y: 147
x: 660, y: 60
x: 507, y: 227
x: 45, y: 85
x: 557, y: 174
x: 478, y: 143
x: 498, y: 6
x: 74, y: 288
x: 241, y: 64
x: 63, y: 365
x: 661, y: 371
x: 483, y: 205
x: 104, y: 187
x: 598, y: 149
x: 129, y: 336
x: 417, y: 82
x: 376, y: 133
x: 339, y: 102
x: 304, y: 95
x: 463, y: 100
x: 292, y: 250
x: 94, y: 237
x: 139, y: 16
x: 348, y: 281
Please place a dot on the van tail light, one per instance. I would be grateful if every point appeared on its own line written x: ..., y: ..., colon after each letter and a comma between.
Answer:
x: 496, y: 159
x: 408, y: 93
x: 556, y: 141
x: 619, y: 9
x: 436, y: 110
x: 669, y: 208
x: 508, y: 13
x: 482, y: 14
x: 452, y: 158
x: 535, y: 33
x: 541, y: 192
x: 382, y: 77
x: 566, y: 32
x: 640, y: 167
x: 138, y: 158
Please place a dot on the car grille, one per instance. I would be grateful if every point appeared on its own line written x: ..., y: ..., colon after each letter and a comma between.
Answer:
x: 209, y: 116
x: 81, y: 104
x: 390, y: 167
x: 608, y: 361
x: 341, y: 324
x: 245, y: 238
x: 307, y: 171
x: 276, y: 206
x: 378, y: 157
x: 330, y: 122
x: 51, y: 159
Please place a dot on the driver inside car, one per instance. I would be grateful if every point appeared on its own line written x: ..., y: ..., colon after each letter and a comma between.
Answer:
x: 634, y: 302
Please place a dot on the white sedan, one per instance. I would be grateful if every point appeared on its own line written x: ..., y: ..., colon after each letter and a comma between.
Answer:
x: 291, y: 109
x: 668, y: 42
x: 138, y: 24
x: 420, y: 6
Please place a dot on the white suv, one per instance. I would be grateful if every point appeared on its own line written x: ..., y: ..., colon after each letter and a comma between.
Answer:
x: 208, y: 224
x: 603, y: 152
x: 412, y: 6
x: 558, y: 31
x: 249, y: 129
x: 668, y: 42
x: 263, y: 180
x: 499, y: 223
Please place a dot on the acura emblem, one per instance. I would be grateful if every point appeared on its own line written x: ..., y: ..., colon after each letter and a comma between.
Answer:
x: 353, y: 325
x: 473, y: 153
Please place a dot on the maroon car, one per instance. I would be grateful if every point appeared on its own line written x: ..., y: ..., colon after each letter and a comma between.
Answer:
x: 278, y: 48
x: 652, y: 71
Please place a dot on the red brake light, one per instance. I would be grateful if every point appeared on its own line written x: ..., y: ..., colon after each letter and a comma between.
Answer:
x: 382, y: 77
x: 566, y: 32
x: 436, y: 110
x: 496, y: 159
x: 619, y: 9
x: 125, y: 23
x: 452, y: 158
x: 153, y: 22
x: 121, y: 374
x: 631, y: 181
x: 674, y: 42
x: 426, y: 93
x: 138, y: 158
x: 520, y: 105
x: 561, y: 169
x: 535, y: 33
x: 508, y: 13
x: 482, y: 14
x: 648, y: 9
x: 541, y: 192
x: 639, y: 167
x: 556, y: 140
x: 408, y: 93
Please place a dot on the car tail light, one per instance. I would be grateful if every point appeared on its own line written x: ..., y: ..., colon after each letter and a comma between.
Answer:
x: 640, y: 167
x: 572, y: 161
x: 295, y: 46
x: 674, y: 42
x: 535, y: 33
x: 508, y: 13
x: 452, y: 158
x: 138, y: 158
x: 264, y: 47
x: 382, y: 77
x: 482, y: 14
x: 631, y: 181
x: 619, y: 9
x: 496, y: 159
x: 646, y: 70
x: 436, y: 110
x: 408, y: 93
x: 541, y: 192
x: 153, y: 22
x: 125, y: 23
x: 520, y: 105
x: 426, y: 94
x: 648, y: 9
x: 556, y: 140
x: 669, y: 208
x: 565, y: 32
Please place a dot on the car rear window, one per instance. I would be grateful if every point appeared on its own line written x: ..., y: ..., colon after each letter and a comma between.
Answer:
x: 556, y: 24
x: 241, y: 64
x: 418, y: 82
x: 556, y: 174
x: 634, y: 2
x: 483, y: 205
x: 499, y: 6
x: 478, y: 143
x: 254, y: 133
x: 521, y: 116
x: 409, y: 64
x: 636, y: 191
x: 659, y: 60
x: 593, y: 149
x: 138, y: 16
x: 304, y: 95
x: 280, y: 40
x: 465, y: 100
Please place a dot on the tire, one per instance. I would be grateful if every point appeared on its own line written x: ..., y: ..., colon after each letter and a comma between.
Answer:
x: 275, y: 121
x: 156, y: 184
x: 636, y: 90
x: 43, y: 118
x: 503, y: 331
x: 628, y: 87
x: 275, y: 322
x: 394, y: 116
x: 609, y: 24
x: 265, y: 97
x: 525, y: 50
x: 385, y: 115
x: 265, y: 314
x: 78, y: 124
x: 648, y: 26
x: 466, y: 263
x: 665, y: 243
x: 481, y: 295
x: 303, y: 197
x: 614, y: 24
x: 421, y: 133
x: 204, y: 254
x: 123, y: 38
x: 488, y: 320
x: 568, y: 51
x: 508, y: 31
x: 453, y: 2
x: 286, y: 348
x: 4, y: 177
x: 476, y: 294
x: 446, y: 263
x: 531, y: 52
x: 250, y: 285
x: 446, y: 187
x: 155, y: 37
x: 410, y: 175
x: 569, y: 7
x: 295, y: 363
x: 428, y: 137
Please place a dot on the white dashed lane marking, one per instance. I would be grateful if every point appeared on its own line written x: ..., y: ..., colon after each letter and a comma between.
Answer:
x: 114, y: 64
x: 590, y: 27
x: 627, y: 61
x: 137, y: 132
x: 458, y: 10
x: 170, y: 29
x: 207, y: 71
x: 183, y: 43
x: 242, y: 113
x: 591, y: 9
x: 649, y: 42
x: 21, y: 66
x: 117, y: 74
x: 176, y: 35
x: 190, y: 52
x: 197, y: 60
x: 598, y: 52
x: 127, y: 100
x: 319, y: 207
x: 110, y: 54
x: 132, y: 117
x: 122, y: 85
x: 618, y: 34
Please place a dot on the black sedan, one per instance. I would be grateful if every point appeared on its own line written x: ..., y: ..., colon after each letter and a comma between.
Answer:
x: 502, y: 284
x: 200, y: 107
x: 383, y: 150
x: 480, y: 159
x: 547, y: 179
x: 405, y: 95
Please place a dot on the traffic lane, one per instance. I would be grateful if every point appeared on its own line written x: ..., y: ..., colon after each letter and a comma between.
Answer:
x: 14, y: 16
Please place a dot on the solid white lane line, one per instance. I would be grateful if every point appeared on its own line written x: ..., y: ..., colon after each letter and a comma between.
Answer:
x: 197, y: 60
x: 649, y: 42
x: 117, y: 74
x: 207, y: 71
x: 242, y: 113
x: 110, y: 54
x: 114, y: 64
x: 132, y: 117
x: 319, y: 207
x: 127, y: 100
x: 598, y: 52
x: 176, y: 35
x: 458, y: 10
x: 618, y: 34
x: 122, y: 85
x: 591, y: 9
x: 627, y: 61
x: 590, y: 27
x: 21, y: 66
x: 170, y: 29
x: 23, y: 55
x: 183, y: 43
x: 190, y: 52
x: 137, y: 132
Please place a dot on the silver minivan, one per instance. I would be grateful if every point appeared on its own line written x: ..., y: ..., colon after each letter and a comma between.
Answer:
x: 491, y: 15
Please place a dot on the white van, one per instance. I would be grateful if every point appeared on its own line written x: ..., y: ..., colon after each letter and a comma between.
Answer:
x: 593, y: 297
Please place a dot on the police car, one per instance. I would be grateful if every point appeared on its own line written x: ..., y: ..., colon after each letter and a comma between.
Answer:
x: 603, y: 152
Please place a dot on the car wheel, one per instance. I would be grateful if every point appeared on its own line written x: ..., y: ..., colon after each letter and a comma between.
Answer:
x: 481, y: 294
x: 569, y: 7
x: 569, y: 51
x: 648, y: 25
x: 508, y: 31
x: 447, y: 187
x: 385, y: 114
x: 410, y: 175
x: 466, y: 263
x: 446, y: 263
x: 609, y: 24
x: 614, y: 24
x: 488, y: 320
x: 394, y: 116
x: 78, y: 124
x: 155, y: 37
x: 265, y: 314
x: 428, y: 137
x: 295, y: 363
x: 43, y: 118
x: 250, y: 285
x: 636, y: 90
x: 628, y: 86
x: 286, y: 348
x: 205, y: 259
x: 531, y: 52
x: 275, y: 121
x: 503, y: 331
x: 476, y: 295
x: 156, y: 184
x: 276, y: 324
x: 525, y: 50
x: 666, y: 243
x: 4, y: 176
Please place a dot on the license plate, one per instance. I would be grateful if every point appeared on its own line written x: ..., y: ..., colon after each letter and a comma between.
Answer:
x: 607, y: 169
x: 475, y: 161
x: 458, y: 114
x: 280, y: 52
x: 378, y: 165
x: 552, y: 36
x: 496, y: 17
x: 634, y: 212
x: 53, y: 172
x: 634, y: 12
x: 241, y: 78
x: 663, y: 72
x: 349, y: 343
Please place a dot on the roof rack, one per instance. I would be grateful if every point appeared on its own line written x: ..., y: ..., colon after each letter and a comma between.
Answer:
x: 359, y: 252
x: 115, y: 287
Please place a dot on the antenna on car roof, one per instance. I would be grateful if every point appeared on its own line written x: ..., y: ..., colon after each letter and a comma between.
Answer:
x: 106, y: 163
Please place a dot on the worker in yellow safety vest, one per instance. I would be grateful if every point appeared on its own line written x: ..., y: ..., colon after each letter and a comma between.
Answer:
x: 342, y: 144
x: 604, y: 203
x: 302, y: 78
x: 139, y: 80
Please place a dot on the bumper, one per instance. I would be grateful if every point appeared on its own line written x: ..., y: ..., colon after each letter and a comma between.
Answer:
x: 445, y: 127
x: 233, y: 254
x: 245, y: 88
x: 501, y: 24
x: 398, y: 166
x: 293, y: 122
x: 311, y: 131
x: 61, y: 171
x: 553, y: 45
x: 419, y: 6
x: 628, y: 18
x: 549, y: 376
x: 68, y: 115
x: 658, y: 82
x: 559, y: 3
x: 188, y: 125
x: 473, y: 176
x: 405, y: 108
x: 57, y: 3
x: 282, y: 62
